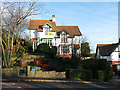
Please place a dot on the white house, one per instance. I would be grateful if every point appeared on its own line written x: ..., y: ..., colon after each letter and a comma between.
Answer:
x: 111, y: 52
x: 67, y: 39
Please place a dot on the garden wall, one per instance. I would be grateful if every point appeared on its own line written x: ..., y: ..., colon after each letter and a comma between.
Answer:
x: 10, y: 71
x: 45, y: 74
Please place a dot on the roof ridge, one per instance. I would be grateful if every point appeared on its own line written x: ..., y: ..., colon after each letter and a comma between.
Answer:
x: 107, y: 44
x: 66, y: 26
x: 39, y: 19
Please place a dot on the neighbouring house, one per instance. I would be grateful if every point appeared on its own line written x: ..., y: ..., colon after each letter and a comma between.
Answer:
x: 111, y: 52
x: 67, y: 39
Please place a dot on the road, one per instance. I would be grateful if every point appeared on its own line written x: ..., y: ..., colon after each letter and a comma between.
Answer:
x: 32, y: 84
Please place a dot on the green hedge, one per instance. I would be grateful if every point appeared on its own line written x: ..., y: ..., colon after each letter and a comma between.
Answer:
x: 98, y: 64
x: 108, y: 74
x: 77, y: 74
x: 100, y: 75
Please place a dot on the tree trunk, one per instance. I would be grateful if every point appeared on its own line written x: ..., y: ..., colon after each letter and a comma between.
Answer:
x: 11, y: 47
x: 8, y: 47
x: 4, y: 56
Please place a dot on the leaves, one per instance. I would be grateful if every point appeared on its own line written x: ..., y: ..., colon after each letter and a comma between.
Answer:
x: 85, y: 49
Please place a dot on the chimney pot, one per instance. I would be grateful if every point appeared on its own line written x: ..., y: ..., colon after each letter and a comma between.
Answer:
x: 53, y: 18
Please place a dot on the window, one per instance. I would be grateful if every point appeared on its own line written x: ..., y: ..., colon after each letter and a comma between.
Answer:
x: 64, y: 49
x: 39, y: 27
x: 46, y: 31
x: 58, y: 50
x: 63, y: 37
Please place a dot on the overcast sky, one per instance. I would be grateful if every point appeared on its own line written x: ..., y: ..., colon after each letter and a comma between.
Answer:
x: 98, y: 21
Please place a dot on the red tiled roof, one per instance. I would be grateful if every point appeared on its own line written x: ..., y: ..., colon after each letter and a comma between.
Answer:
x: 71, y: 30
x: 107, y: 49
x: 34, y: 24
x: 33, y: 39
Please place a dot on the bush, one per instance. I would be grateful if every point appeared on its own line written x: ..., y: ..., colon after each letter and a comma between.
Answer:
x: 15, y: 54
x: 47, y: 67
x: 100, y: 75
x: 21, y: 50
x: 43, y: 49
x: 53, y: 52
x: 17, y: 63
x: 76, y: 74
x: 98, y: 64
x: 108, y: 74
x: 26, y: 48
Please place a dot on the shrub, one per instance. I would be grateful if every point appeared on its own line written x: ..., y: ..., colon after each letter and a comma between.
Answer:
x: 53, y: 52
x: 26, y: 48
x: 17, y: 63
x: 98, y: 64
x: 76, y: 74
x: 21, y: 50
x: 43, y: 49
x: 108, y: 74
x: 15, y: 54
x: 100, y: 75
x: 47, y: 67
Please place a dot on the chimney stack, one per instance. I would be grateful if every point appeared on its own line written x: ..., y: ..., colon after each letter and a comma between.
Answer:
x: 53, y: 18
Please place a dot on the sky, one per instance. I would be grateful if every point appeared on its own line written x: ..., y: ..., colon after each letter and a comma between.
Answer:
x: 97, y: 21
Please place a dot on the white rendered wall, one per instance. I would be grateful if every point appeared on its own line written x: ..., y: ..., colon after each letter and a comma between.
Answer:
x: 76, y: 40
x: 42, y: 35
x: 115, y: 55
x: 33, y: 33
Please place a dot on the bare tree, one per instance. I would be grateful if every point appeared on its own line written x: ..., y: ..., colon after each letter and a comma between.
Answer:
x: 14, y: 20
x: 83, y: 39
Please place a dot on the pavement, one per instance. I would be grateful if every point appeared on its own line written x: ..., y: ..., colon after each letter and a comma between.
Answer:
x: 22, y: 82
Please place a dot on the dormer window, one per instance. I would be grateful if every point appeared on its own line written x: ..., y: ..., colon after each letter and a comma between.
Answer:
x: 47, y: 28
x: 47, y: 25
x: 40, y: 27
x: 46, y: 31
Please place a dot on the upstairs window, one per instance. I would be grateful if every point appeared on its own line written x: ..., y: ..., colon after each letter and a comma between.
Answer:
x: 40, y: 27
x: 47, y: 27
x: 65, y: 50
x: 63, y: 37
x: 46, y: 31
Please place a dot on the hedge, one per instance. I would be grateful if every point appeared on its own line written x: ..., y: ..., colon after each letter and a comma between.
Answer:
x: 100, y: 75
x: 77, y: 74
x: 98, y: 64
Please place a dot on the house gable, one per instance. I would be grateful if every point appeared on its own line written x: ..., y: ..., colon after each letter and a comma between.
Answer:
x: 47, y: 25
x: 106, y: 49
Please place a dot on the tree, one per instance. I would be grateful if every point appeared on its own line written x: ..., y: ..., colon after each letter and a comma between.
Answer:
x: 14, y: 20
x: 43, y: 49
x: 85, y: 49
x: 84, y: 39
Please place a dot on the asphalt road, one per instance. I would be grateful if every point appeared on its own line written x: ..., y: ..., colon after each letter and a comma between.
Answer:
x: 32, y: 84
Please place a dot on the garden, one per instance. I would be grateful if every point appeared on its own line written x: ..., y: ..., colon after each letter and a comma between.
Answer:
x: 76, y: 68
